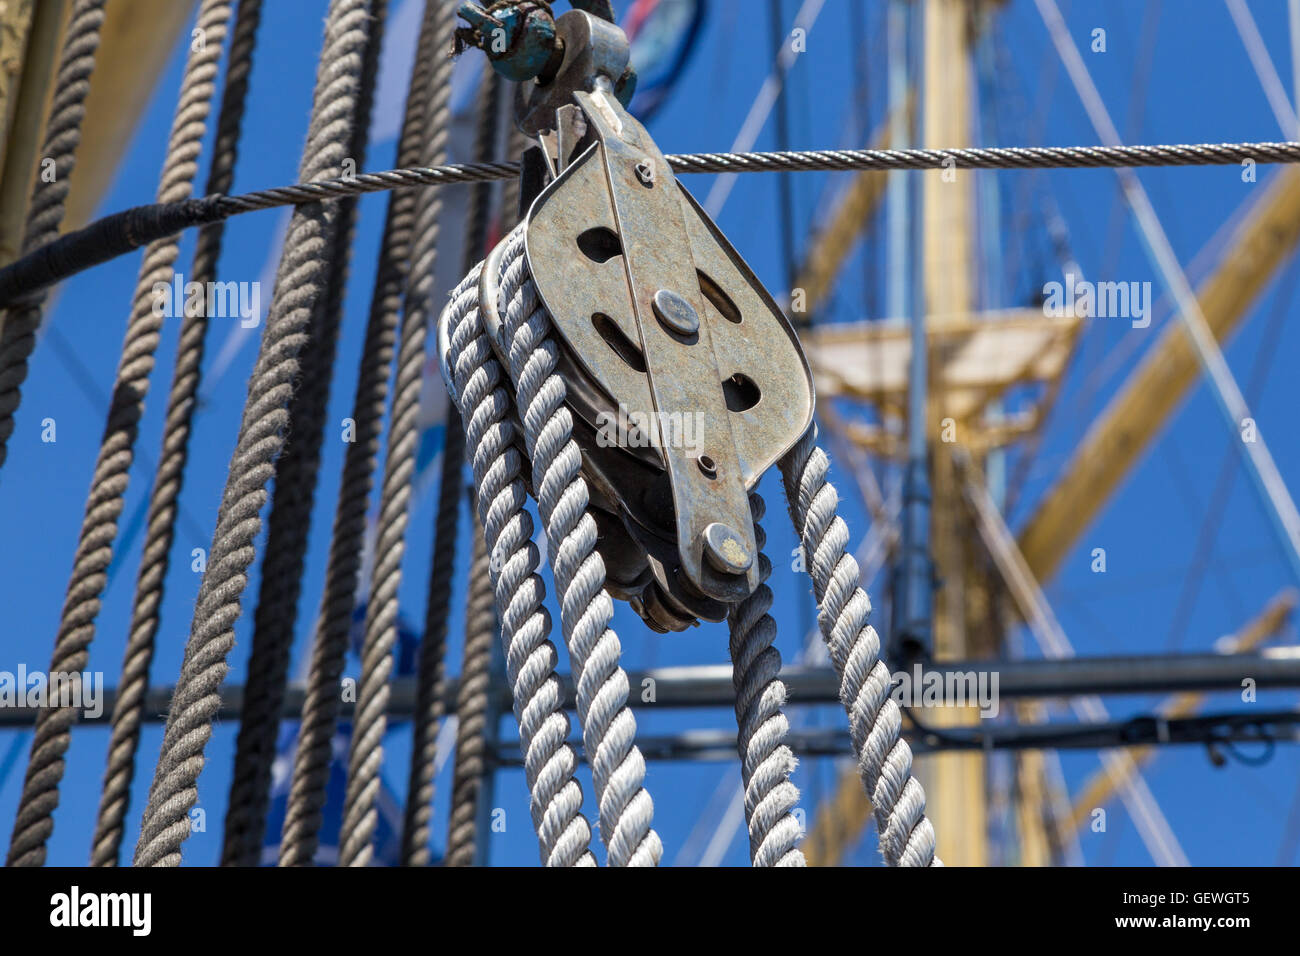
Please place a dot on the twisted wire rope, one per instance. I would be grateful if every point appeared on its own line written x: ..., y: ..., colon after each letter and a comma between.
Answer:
x: 132, y: 686
x: 131, y: 228
x: 53, y: 726
x: 812, y: 160
x: 300, y: 283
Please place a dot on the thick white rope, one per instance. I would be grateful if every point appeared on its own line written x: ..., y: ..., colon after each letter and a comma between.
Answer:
x: 492, y: 446
x: 608, y: 727
x: 884, y: 758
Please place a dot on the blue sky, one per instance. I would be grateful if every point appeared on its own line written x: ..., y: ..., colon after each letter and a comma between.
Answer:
x: 1230, y: 815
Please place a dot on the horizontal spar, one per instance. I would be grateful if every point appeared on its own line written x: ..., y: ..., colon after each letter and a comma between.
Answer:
x: 710, y: 685
x: 719, y: 746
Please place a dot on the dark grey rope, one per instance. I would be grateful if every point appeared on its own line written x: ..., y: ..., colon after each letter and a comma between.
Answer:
x: 472, y: 710
x: 430, y: 667
x: 128, y: 710
x: 53, y: 726
x: 75, y: 252
x: 289, y: 520
x: 766, y: 761
x: 430, y: 673
x: 300, y: 835
x: 45, y: 215
x: 300, y: 283
x: 370, y: 720
x: 433, y: 643
x: 472, y: 704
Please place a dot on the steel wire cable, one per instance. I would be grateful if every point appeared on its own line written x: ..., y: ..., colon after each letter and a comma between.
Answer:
x: 815, y: 160
x: 289, y: 520
x: 132, y: 687
x: 300, y: 283
x: 130, y: 228
x: 106, y: 499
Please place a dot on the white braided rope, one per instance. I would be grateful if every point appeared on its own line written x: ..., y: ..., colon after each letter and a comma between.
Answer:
x: 491, y: 444
x: 608, y: 727
x: 765, y: 761
x: 884, y: 758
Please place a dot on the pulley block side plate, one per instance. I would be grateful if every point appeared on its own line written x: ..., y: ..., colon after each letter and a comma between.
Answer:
x: 576, y: 287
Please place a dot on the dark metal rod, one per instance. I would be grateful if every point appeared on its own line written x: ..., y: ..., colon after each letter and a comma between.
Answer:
x: 710, y: 685
x: 719, y: 746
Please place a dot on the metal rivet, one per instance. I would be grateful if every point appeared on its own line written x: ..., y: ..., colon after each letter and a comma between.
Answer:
x: 725, y: 549
x: 675, y: 312
x: 707, y: 466
x: 645, y: 172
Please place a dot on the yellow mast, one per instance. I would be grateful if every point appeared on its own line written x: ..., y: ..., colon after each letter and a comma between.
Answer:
x: 1261, y: 241
x: 954, y: 783
x: 136, y: 42
x: 29, y: 49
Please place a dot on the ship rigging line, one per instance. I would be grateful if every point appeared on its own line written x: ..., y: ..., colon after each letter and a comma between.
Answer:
x: 130, y: 229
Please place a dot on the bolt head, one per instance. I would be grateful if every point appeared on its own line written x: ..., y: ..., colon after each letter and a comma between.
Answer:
x: 645, y: 172
x: 725, y: 549
x: 675, y: 312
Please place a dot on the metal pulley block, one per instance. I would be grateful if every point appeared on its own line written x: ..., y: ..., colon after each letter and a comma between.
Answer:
x: 685, y: 379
